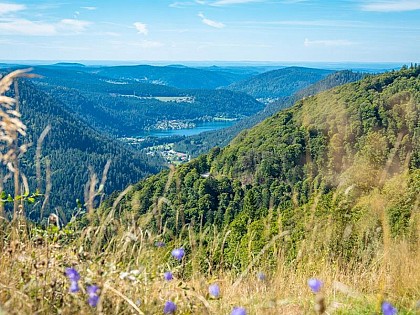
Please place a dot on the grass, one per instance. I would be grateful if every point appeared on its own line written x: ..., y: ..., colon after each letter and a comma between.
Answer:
x: 122, y: 259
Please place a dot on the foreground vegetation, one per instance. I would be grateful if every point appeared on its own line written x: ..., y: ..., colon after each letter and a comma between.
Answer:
x: 326, y: 192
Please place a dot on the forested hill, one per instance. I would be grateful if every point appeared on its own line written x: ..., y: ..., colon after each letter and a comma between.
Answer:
x: 279, y: 83
x: 202, y: 143
x: 128, y: 108
x: 334, y: 159
x: 177, y: 76
x: 72, y: 147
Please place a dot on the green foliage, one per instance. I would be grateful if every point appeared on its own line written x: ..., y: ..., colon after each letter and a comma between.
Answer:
x: 310, y: 166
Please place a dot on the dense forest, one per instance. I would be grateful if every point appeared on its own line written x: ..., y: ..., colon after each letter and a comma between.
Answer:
x: 327, y: 158
x: 279, y: 83
x: 71, y: 148
x: 202, y: 143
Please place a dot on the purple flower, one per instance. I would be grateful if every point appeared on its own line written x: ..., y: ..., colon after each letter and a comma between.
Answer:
x: 74, y: 287
x: 214, y: 290
x: 170, y: 308
x: 92, y: 289
x: 168, y: 276
x: 261, y: 276
x: 72, y: 274
x: 93, y: 299
x: 238, y: 311
x: 388, y: 309
x: 159, y: 244
x: 315, y: 285
x: 178, y: 253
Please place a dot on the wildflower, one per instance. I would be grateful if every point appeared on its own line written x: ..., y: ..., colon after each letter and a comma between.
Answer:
x: 124, y: 275
x: 72, y: 274
x: 388, y: 309
x: 315, y: 285
x: 261, y: 276
x: 93, y: 295
x: 74, y: 287
x: 159, y: 244
x: 214, y: 290
x: 168, y: 276
x: 178, y: 253
x: 74, y: 277
x: 238, y: 311
x: 170, y: 308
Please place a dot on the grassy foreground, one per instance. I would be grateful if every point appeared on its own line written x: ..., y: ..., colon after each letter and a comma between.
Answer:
x: 105, y: 263
x: 130, y: 273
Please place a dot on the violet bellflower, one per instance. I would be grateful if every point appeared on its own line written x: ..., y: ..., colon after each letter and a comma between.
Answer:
x: 178, y: 253
x: 92, y: 291
x: 168, y: 276
x: 388, y: 309
x: 315, y: 285
x: 169, y: 308
x: 214, y: 290
x: 238, y: 311
x: 74, y: 277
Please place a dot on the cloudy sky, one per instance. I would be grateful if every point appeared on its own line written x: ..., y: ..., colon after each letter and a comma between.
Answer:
x: 204, y: 30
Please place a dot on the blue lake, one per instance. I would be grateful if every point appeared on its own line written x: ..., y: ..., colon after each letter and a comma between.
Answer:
x: 200, y: 127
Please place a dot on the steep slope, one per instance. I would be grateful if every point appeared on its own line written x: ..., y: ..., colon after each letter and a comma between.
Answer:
x: 334, y: 162
x: 279, y: 83
x: 72, y: 147
x: 202, y: 143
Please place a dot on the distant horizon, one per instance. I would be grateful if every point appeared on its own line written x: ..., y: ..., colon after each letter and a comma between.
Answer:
x: 209, y: 63
x: 211, y: 30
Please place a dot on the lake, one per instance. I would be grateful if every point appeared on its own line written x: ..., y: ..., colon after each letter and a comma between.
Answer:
x: 200, y: 127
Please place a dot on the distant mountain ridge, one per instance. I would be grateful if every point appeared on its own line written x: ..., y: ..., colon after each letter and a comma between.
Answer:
x: 279, y: 83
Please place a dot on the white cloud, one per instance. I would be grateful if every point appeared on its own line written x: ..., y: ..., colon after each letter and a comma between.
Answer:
x: 229, y: 2
x: 141, y: 28
x: 26, y: 27
x: 73, y: 25
x: 328, y: 42
x: 89, y: 8
x: 392, y: 6
x: 210, y: 22
x: 36, y: 28
x: 6, y: 8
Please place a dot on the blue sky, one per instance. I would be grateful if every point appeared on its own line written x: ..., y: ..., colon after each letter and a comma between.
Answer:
x: 204, y: 30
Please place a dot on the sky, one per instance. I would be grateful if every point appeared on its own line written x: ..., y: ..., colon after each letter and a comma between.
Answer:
x: 207, y: 30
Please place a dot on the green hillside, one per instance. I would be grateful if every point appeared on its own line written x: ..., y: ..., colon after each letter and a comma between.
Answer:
x: 72, y: 147
x: 279, y: 83
x: 332, y: 162
x: 202, y: 143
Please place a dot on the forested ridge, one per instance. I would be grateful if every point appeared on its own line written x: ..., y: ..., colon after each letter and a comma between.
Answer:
x: 279, y: 83
x: 202, y: 143
x: 328, y: 157
x: 72, y: 147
